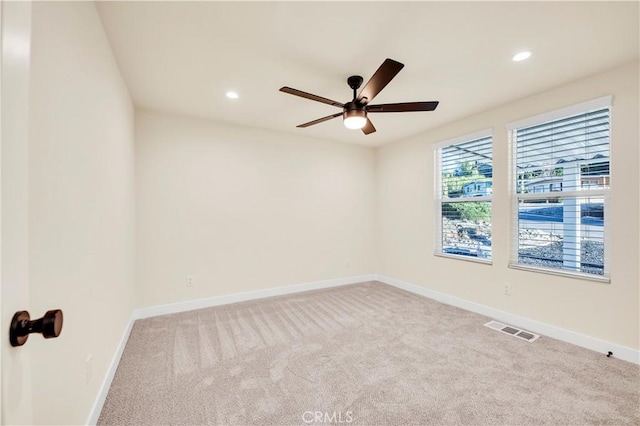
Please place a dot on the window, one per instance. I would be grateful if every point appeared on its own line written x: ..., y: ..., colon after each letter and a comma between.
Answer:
x: 464, y: 176
x: 561, y: 186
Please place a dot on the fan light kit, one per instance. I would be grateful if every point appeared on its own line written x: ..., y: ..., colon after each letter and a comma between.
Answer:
x: 354, y: 113
x: 355, y: 119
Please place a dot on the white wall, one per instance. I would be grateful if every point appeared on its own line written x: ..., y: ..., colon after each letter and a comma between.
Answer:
x: 242, y: 209
x: 406, y: 220
x: 81, y: 195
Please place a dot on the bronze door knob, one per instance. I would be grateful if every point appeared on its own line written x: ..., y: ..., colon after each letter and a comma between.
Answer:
x: 50, y: 325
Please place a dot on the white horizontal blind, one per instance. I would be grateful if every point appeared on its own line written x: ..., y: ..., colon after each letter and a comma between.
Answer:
x: 465, y: 186
x: 561, y: 177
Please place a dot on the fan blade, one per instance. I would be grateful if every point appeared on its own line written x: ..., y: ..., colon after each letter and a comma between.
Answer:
x: 380, y: 79
x: 403, y: 107
x: 320, y: 120
x: 368, y: 128
x: 306, y: 95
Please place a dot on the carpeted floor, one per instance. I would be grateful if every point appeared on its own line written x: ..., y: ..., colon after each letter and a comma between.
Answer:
x: 360, y: 354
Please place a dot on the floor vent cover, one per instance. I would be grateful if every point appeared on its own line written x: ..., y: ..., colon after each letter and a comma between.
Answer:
x: 512, y: 331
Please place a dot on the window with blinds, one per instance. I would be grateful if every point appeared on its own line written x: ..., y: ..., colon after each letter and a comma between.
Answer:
x: 464, y: 170
x: 561, y: 179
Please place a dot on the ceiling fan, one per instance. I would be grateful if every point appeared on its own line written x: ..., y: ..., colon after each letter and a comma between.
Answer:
x: 355, y: 112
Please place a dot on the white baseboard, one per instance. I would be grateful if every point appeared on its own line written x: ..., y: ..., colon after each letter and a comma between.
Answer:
x: 595, y: 344
x: 190, y: 305
x: 111, y: 372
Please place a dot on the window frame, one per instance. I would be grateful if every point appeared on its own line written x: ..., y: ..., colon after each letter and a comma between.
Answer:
x: 515, y: 197
x: 439, y: 199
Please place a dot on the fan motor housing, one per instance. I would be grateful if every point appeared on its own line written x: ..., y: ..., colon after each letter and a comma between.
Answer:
x: 354, y: 109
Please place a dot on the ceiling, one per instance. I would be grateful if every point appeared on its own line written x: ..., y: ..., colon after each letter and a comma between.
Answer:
x: 182, y: 57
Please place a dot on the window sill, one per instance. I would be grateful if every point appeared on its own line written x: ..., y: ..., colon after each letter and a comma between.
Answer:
x: 473, y: 259
x: 561, y: 273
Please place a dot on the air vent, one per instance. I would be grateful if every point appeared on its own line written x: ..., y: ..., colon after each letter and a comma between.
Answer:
x: 512, y: 331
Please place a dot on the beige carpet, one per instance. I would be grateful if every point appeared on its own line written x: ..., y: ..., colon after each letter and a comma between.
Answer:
x: 359, y: 354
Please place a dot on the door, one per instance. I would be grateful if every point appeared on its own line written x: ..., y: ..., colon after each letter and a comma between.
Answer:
x: 15, y: 27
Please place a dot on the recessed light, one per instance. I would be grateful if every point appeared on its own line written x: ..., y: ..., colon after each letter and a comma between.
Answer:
x: 232, y: 95
x: 521, y: 56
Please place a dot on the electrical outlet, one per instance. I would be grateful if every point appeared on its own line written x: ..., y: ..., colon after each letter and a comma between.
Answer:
x: 347, y: 263
x: 87, y: 369
x: 507, y: 289
x: 190, y: 282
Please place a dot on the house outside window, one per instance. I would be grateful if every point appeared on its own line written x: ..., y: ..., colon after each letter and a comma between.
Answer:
x: 561, y: 176
x: 464, y: 186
